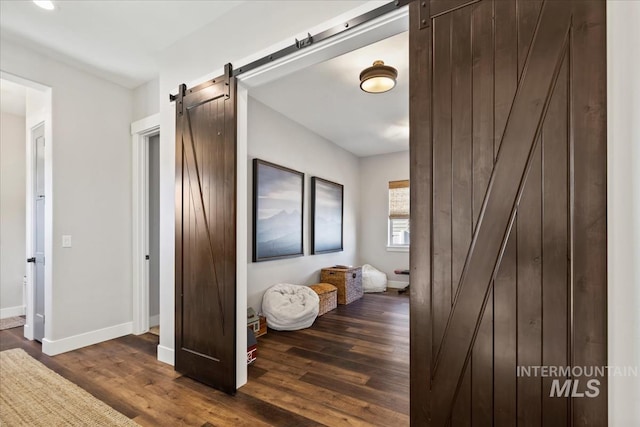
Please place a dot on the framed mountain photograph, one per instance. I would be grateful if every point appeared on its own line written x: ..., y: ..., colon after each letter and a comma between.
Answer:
x: 278, y: 197
x: 327, y: 201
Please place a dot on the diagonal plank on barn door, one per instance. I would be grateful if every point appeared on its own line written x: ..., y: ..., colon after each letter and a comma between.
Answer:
x: 195, y: 186
x: 518, y: 142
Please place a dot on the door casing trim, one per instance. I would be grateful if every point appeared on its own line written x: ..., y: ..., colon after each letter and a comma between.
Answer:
x: 33, y: 120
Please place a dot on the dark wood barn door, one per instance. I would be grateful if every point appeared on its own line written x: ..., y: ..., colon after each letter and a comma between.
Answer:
x: 206, y: 232
x: 508, y: 183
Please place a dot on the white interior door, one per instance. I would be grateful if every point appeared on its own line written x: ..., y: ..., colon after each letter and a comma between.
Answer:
x: 37, y: 138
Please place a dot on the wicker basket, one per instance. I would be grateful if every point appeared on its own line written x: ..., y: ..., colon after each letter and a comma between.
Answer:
x: 328, y: 297
x: 347, y: 280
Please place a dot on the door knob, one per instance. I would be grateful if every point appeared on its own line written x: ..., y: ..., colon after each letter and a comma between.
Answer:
x: 32, y: 259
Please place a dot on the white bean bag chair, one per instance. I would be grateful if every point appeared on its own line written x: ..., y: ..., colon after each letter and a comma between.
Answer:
x: 290, y: 307
x: 373, y: 280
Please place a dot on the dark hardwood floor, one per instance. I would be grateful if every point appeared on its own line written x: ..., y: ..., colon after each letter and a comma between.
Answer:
x: 350, y: 368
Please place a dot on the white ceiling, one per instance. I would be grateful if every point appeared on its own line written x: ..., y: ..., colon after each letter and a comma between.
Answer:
x: 117, y: 40
x: 13, y: 98
x: 326, y: 98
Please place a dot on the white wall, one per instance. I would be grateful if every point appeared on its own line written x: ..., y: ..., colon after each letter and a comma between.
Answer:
x: 91, y: 198
x: 146, y: 100
x: 12, y: 213
x: 623, y: 216
x: 277, y: 139
x: 375, y: 174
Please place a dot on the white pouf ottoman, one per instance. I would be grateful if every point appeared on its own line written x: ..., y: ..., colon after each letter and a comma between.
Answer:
x: 373, y: 280
x: 290, y: 307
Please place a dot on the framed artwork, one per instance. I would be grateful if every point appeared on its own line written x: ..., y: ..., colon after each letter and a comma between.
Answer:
x: 278, y: 195
x: 327, y: 201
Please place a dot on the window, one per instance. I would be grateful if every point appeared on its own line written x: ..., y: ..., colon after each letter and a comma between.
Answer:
x: 399, y: 230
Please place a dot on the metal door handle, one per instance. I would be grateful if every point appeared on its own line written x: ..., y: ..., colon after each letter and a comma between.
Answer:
x: 32, y: 259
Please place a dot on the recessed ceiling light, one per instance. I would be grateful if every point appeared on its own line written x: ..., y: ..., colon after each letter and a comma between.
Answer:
x: 378, y: 78
x: 45, y: 4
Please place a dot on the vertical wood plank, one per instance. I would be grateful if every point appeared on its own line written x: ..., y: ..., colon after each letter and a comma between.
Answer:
x: 482, y: 40
x: 228, y: 128
x: 461, y: 191
x: 190, y: 246
x: 529, y: 292
x: 589, y: 144
x: 555, y: 273
x: 505, y: 284
x: 216, y: 193
x: 179, y: 195
x: 462, y: 185
x: 505, y: 335
x: 441, y: 177
x: 421, y: 158
x: 528, y: 13
x: 506, y: 65
x: 483, y: 158
x: 223, y: 219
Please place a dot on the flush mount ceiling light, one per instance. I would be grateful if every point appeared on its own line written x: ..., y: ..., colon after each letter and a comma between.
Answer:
x: 378, y: 78
x: 45, y: 4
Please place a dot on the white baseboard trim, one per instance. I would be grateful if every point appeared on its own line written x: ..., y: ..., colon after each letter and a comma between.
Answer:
x: 28, y: 332
x: 18, y: 310
x: 166, y: 355
x: 154, y: 320
x: 53, y: 347
x: 396, y: 284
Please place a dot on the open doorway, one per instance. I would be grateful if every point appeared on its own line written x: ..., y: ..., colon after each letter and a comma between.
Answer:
x: 146, y: 227
x: 26, y: 207
x: 390, y: 24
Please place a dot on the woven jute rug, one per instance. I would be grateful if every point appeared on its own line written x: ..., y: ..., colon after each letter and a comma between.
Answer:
x: 33, y: 395
x: 11, y: 322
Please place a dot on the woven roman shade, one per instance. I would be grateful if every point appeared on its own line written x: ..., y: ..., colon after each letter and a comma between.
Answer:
x: 399, y: 199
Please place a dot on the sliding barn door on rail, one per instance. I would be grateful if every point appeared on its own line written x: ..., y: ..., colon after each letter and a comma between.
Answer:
x: 508, y: 183
x: 205, y: 282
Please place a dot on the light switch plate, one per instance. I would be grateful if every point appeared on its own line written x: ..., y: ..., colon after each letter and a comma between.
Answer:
x: 66, y: 241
